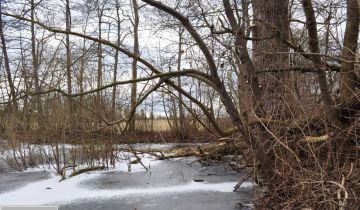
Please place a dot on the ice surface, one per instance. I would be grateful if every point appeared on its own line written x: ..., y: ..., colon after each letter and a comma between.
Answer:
x: 52, y: 191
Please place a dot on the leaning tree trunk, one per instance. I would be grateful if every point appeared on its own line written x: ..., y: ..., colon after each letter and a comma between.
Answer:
x: 317, y: 61
x: 243, y: 57
x: 252, y: 151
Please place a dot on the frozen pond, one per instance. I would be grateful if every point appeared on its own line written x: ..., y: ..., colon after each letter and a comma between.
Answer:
x: 168, y: 185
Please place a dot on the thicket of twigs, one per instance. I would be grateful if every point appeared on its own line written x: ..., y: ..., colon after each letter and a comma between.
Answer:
x: 315, y: 172
x: 316, y: 163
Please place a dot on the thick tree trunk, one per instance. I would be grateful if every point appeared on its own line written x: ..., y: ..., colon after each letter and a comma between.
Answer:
x: 272, y: 18
x: 347, y: 73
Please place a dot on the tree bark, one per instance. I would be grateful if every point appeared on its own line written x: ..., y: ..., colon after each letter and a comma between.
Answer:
x: 116, y: 61
x: 82, y: 70
x: 181, y: 108
x: 276, y: 14
x: 347, y: 73
x: 83, y: 62
x: 242, y: 54
x: 35, y: 65
x: 317, y: 61
x: 134, y: 63
x: 7, y: 62
x: 100, y: 62
x: 68, y: 59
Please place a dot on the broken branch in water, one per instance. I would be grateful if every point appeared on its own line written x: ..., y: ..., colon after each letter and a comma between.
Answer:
x: 241, y: 181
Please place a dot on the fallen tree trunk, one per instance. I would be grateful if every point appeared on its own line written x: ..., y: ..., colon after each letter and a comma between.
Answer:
x: 315, y: 139
x: 84, y: 170
x: 205, y: 151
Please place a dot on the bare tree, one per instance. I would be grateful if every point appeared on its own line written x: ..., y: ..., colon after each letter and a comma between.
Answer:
x: 181, y: 107
x: 135, y: 23
x: 116, y: 60
x: 6, y: 62
x: 316, y: 58
x: 100, y: 11
x: 35, y: 64
x: 68, y: 58
x: 212, y: 56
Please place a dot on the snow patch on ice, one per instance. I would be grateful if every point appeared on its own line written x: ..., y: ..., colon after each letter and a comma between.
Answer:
x: 52, y: 191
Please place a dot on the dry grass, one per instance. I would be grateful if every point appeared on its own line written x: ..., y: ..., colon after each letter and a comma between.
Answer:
x: 160, y: 125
